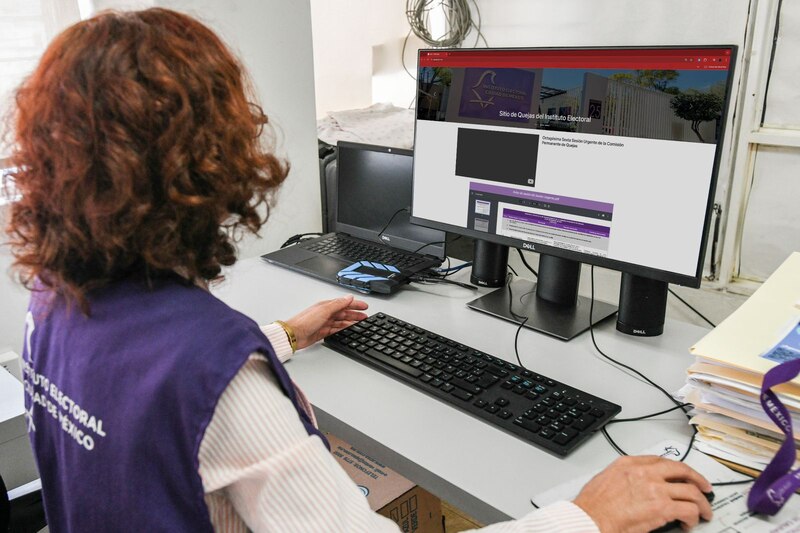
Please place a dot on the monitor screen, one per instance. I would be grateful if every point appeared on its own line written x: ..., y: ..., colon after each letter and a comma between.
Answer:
x: 374, y: 198
x: 604, y: 156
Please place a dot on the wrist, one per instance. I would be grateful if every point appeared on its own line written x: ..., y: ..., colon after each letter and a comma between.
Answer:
x: 290, y: 334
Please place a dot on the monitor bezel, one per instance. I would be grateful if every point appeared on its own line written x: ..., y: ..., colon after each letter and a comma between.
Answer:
x: 613, y: 264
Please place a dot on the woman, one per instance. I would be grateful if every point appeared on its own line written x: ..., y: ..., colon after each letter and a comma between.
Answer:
x: 151, y: 404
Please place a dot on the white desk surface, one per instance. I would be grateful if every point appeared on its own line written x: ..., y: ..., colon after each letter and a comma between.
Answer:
x: 485, y: 471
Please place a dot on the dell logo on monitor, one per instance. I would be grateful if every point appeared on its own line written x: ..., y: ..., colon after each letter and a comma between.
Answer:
x: 528, y: 246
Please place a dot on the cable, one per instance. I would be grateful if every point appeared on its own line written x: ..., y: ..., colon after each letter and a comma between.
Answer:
x: 477, y: 26
x: 623, y: 365
x: 454, y: 269
x: 431, y: 280
x: 524, y: 262
x: 690, y: 307
x: 296, y: 239
x: 518, y: 317
x: 512, y: 270
x: 645, y: 417
x: 428, y: 244
x: 726, y: 483
x: 614, y: 361
x: 458, y: 24
x: 390, y: 221
x: 611, y: 441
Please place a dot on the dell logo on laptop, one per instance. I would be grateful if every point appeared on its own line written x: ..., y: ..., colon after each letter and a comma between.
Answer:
x: 385, y: 238
x: 528, y: 246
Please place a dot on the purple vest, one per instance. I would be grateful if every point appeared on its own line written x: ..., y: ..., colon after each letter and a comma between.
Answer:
x: 118, y: 402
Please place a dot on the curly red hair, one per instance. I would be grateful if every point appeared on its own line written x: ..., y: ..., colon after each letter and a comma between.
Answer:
x: 137, y: 152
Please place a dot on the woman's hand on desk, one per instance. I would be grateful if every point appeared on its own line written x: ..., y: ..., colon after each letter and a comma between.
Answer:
x: 643, y: 493
x: 325, y: 318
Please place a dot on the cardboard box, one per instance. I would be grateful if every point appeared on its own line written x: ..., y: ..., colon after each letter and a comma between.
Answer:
x: 17, y: 465
x: 413, y: 508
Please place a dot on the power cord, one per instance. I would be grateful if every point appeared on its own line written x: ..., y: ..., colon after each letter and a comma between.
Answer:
x: 439, y: 279
x: 525, y: 262
x: 641, y: 375
x: 692, y: 308
x: 300, y: 237
x: 391, y: 219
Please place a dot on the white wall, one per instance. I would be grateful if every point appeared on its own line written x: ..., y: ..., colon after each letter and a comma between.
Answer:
x: 274, y: 41
x: 13, y: 298
x: 345, y: 33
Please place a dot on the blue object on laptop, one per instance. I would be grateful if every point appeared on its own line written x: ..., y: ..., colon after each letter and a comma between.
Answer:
x: 369, y: 276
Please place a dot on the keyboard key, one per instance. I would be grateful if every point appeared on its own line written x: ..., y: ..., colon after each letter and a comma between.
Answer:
x: 565, y: 436
x: 447, y: 387
x: 583, y: 423
x: 527, y: 424
x: 502, y: 402
x: 486, y: 380
x: 546, y: 433
x: 492, y: 408
x: 505, y: 414
x: 480, y: 403
x: 462, y: 394
x: 596, y: 413
x: 466, y: 385
x: 382, y: 357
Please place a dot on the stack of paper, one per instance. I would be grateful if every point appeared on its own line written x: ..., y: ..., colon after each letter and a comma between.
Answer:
x: 724, y: 383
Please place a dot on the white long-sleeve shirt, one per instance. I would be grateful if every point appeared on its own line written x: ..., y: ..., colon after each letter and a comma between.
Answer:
x: 262, y: 471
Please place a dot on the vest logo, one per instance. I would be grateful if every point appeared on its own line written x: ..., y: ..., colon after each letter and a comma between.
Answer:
x: 364, y: 490
x: 528, y: 246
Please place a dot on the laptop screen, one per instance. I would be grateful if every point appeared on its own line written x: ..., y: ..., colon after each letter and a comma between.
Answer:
x: 373, y: 188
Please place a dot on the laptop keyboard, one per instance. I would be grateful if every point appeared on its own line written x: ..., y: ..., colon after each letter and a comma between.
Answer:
x: 542, y: 411
x: 353, y: 250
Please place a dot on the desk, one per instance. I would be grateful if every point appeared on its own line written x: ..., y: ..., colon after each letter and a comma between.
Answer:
x: 485, y: 471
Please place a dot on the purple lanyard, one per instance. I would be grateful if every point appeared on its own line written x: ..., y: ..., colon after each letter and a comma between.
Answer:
x: 777, y: 482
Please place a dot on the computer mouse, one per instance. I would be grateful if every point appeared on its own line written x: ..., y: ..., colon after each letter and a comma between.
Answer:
x: 676, y: 524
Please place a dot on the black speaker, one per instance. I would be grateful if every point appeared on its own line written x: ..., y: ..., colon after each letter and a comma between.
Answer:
x: 489, y: 264
x: 642, y: 306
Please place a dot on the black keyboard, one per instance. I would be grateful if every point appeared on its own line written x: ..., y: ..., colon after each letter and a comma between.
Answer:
x: 543, y: 411
x: 355, y: 250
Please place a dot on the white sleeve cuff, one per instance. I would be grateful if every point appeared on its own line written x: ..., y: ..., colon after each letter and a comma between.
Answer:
x: 564, y: 516
x: 279, y: 340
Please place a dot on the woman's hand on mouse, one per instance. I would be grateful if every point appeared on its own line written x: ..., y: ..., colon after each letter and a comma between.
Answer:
x: 325, y: 318
x: 640, y: 494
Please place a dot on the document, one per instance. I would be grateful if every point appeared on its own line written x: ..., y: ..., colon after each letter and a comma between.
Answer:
x: 730, y: 502
x: 741, y: 339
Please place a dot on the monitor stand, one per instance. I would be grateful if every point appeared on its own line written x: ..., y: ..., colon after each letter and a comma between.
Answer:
x: 551, y: 306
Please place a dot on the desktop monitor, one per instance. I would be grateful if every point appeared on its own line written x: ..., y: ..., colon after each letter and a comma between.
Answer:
x: 605, y: 156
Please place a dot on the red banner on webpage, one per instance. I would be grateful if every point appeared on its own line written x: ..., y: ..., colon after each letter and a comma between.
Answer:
x: 667, y: 59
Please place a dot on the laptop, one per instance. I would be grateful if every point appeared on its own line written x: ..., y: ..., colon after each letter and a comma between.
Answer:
x: 373, y: 205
